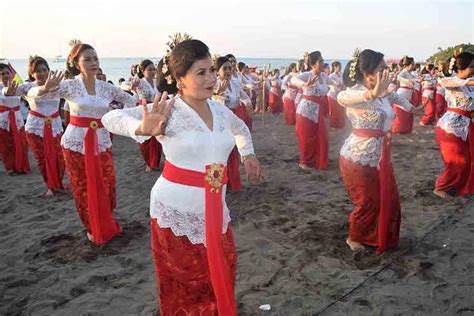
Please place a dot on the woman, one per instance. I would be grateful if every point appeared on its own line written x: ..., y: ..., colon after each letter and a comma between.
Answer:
x: 455, y: 129
x: 289, y: 95
x: 13, y: 144
x: 365, y: 156
x: 403, y: 123
x: 337, y: 115
x: 441, y: 105
x: 44, y: 127
x: 310, y: 128
x: 275, y: 101
x: 147, y: 91
x: 191, y: 238
x: 234, y: 98
x: 428, y: 96
x: 86, y: 144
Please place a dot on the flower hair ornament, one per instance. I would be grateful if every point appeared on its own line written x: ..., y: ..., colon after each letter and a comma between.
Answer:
x: 353, y: 67
x: 452, y: 61
x: 175, y: 39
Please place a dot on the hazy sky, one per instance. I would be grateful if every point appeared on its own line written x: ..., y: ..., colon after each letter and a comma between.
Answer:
x: 246, y: 28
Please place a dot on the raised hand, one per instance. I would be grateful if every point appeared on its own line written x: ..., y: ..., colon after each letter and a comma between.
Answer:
x: 134, y: 84
x: 311, y: 81
x: 381, y: 86
x: 154, y: 121
x: 11, y: 89
x: 223, y: 86
x: 54, y: 78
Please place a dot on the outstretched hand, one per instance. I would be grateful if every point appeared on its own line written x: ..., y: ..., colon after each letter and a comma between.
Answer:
x: 154, y: 121
x: 11, y: 88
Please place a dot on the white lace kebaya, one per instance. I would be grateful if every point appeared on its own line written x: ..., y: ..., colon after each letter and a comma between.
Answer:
x: 458, y: 96
x: 376, y: 114
x: 189, y: 144
x: 83, y: 104
x: 233, y: 96
x: 10, y: 102
x: 308, y: 108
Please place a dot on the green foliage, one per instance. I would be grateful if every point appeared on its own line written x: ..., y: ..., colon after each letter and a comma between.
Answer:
x: 444, y: 54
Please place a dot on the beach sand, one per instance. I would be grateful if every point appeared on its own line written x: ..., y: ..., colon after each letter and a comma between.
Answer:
x: 290, y: 235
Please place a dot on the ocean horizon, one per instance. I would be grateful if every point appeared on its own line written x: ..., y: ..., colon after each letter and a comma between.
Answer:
x: 119, y: 67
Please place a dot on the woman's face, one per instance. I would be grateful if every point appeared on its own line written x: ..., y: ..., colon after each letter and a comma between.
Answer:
x: 371, y: 79
x: 337, y: 68
x: 318, y: 66
x: 225, y: 71
x: 41, y: 74
x: 199, y: 81
x: 88, y: 62
x: 468, y: 72
x: 149, y: 72
x: 232, y: 62
x: 5, y: 75
x: 410, y: 67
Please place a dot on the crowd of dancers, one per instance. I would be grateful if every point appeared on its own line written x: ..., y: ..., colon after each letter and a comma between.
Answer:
x: 195, y: 111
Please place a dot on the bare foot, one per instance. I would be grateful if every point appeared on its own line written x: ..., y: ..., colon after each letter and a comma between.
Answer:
x: 90, y: 237
x: 442, y: 195
x: 148, y: 169
x: 49, y: 193
x: 354, y: 245
x: 9, y: 172
x: 305, y: 167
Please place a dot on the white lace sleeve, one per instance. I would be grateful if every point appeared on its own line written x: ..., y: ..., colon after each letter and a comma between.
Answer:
x: 63, y: 91
x: 400, y: 102
x: 244, y: 98
x: 300, y: 80
x: 242, y: 136
x: 452, y: 82
x: 125, y: 122
x: 404, y: 80
x: 352, y: 98
x: 22, y: 89
x: 122, y: 97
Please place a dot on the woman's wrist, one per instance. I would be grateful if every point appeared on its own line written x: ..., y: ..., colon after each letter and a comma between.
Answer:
x: 246, y: 157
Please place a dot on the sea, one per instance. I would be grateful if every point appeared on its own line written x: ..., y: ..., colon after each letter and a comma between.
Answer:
x: 116, y: 68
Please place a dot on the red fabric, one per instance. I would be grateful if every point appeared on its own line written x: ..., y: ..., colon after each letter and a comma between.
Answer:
x: 218, y: 269
x: 306, y: 134
x: 182, y: 273
x: 367, y: 223
x: 38, y: 148
x: 429, y: 117
x: 76, y: 169
x: 21, y: 156
x: 242, y: 113
x: 325, y: 106
x: 151, y: 152
x: 441, y: 106
x: 290, y: 111
x: 322, y: 145
x: 458, y: 174
x: 337, y: 114
x: 403, y: 122
x: 53, y: 179
x: 103, y: 226
x: 275, y: 101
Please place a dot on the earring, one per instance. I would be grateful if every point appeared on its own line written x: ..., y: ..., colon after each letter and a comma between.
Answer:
x: 179, y: 85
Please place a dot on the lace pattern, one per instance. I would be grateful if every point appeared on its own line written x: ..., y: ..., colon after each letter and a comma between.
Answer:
x: 458, y: 96
x: 34, y: 124
x: 308, y: 109
x: 184, y: 222
x: 10, y: 102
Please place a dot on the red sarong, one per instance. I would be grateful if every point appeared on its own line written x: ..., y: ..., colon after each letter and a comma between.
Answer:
x: 50, y: 168
x: 403, y: 122
x: 275, y: 101
x: 429, y: 116
x: 290, y: 111
x: 212, y: 180
x: 457, y: 155
x: 37, y: 147
x: 13, y: 144
x: 313, y: 138
x: 151, y: 152
x: 337, y: 114
x: 441, y: 106
x: 376, y: 217
x: 102, y: 225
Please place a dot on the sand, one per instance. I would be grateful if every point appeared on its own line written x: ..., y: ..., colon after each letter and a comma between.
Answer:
x: 290, y: 235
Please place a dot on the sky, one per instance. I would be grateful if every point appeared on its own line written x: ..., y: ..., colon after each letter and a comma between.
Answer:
x: 270, y: 29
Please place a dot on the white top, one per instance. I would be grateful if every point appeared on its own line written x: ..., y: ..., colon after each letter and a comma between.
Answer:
x: 233, y: 95
x: 375, y: 114
x: 47, y: 107
x: 406, y: 79
x: 83, y: 104
x: 308, y: 108
x: 147, y: 91
x: 458, y: 96
x: 290, y: 90
x: 188, y: 143
x: 439, y: 89
x: 10, y: 102
x: 274, y: 85
x: 335, y: 85
x: 428, y: 84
